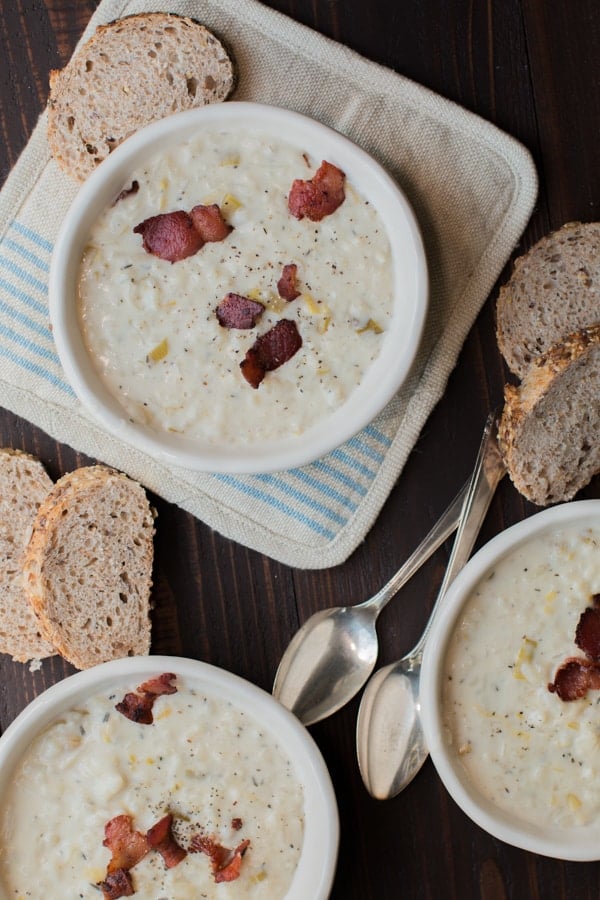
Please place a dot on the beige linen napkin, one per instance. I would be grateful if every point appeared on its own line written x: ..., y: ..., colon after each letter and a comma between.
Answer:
x: 472, y: 188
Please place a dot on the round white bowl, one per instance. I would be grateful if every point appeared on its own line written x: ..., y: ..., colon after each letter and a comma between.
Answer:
x: 385, y: 375
x: 316, y: 868
x: 577, y: 844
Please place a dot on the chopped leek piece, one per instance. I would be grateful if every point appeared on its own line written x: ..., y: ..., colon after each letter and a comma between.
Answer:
x: 159, y: 352
x: 371, y: 325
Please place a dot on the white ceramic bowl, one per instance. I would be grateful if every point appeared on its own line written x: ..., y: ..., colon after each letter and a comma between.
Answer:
x: 316, y: 868
x: 577, y: 843
x: 385, y: 375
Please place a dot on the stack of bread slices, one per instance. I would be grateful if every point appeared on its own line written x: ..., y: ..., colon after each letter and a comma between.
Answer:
x: 76, y: 557
x: 548, y: 330
x: 75, y: 563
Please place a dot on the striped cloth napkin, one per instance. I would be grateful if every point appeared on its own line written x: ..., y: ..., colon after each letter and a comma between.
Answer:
x: 472, y: 188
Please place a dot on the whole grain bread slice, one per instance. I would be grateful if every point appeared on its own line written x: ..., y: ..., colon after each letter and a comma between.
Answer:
x: 130, y: 73
x: 550, y: 427
x: 88, y: 566
x: 553, y: 291
x: 24, y: 483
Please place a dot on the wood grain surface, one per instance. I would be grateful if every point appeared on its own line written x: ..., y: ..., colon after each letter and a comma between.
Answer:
x: 531, y: 67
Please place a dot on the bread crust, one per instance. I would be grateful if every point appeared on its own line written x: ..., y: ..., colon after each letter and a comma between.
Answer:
x: 520, y: 408
x: 131, y: 72
x: 88, y: 566
x: 554, y: 290
x: 23, y: 485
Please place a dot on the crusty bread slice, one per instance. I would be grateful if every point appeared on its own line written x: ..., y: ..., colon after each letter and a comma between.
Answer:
x: 24, y: 484
x: 88, y: 566
x: 553, y: 291
x: 130, y: 73
x: 550, y: 427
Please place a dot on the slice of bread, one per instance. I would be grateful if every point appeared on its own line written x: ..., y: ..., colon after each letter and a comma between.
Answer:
x: 550, y: 424
x: 130, y: 73
x: 88, y: 566
x: 553, y: 291
x: 24, y: 484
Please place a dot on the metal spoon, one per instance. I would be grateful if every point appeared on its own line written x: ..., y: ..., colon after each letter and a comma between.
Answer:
x: 389, y: 737
x: 331, y: 656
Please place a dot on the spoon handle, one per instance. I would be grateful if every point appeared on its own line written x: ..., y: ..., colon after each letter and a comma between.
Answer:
x: 443, y: 528
x: 489, y: 469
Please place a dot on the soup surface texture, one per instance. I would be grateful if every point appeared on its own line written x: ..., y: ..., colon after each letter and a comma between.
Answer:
x: 150, y: 325
x: 526, y: 750
x: 204, y: 760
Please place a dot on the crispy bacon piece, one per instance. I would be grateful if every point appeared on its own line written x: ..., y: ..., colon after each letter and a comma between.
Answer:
x: 587, y: 634
x: 320, y: 196
x: 575, y: 677
x: 252, y: 368
x: 117, y: 884
x: 237, y: 311
x: 138, y: 706
x: 286, y: 286
x: 209, y: 223
x: 126, y: 845
x: 225, y: 863
x: 170, y: 236
x: 271, y: 350
x: 161, y: 684
x: 160, y: 837
x: 236, y: 824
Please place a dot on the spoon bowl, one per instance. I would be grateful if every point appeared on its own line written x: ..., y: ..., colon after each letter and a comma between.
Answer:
x: 332, y: 655
x: 399, y: 739
x: 390, y: 743
x: 338, y: 647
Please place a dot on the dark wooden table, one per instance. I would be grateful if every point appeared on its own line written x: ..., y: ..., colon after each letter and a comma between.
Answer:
x: 531, y: 67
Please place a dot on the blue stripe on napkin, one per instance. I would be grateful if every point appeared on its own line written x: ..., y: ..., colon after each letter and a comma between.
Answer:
x: 292, y: 512
x: 25, y: 330
x: 32, y: 236
x: 26, y: 254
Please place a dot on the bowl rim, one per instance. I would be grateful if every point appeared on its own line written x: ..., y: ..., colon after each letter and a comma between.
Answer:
x: 579, y: 844
x: 394, y: 368
x: 318, y: 860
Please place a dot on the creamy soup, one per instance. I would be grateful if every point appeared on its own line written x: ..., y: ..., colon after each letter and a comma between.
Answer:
x: 150, y: 325
x: 525, y: 749
x: 207, y: 762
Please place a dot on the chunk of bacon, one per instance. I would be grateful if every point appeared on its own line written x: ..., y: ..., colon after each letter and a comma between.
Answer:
x: 116, y: 884
x: 170, y: 236
x: 138, y: 706
x: 271, y: 350
x: 587, y: 633
x: 209, y: 223
x: 160, y: 837
x: 237, y: 311
x: 226, y: 864
x: 286, y: 286
x: 126, y: 845
x: 161, y: 684
x: 575, y: 677
x: 320, y: 196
